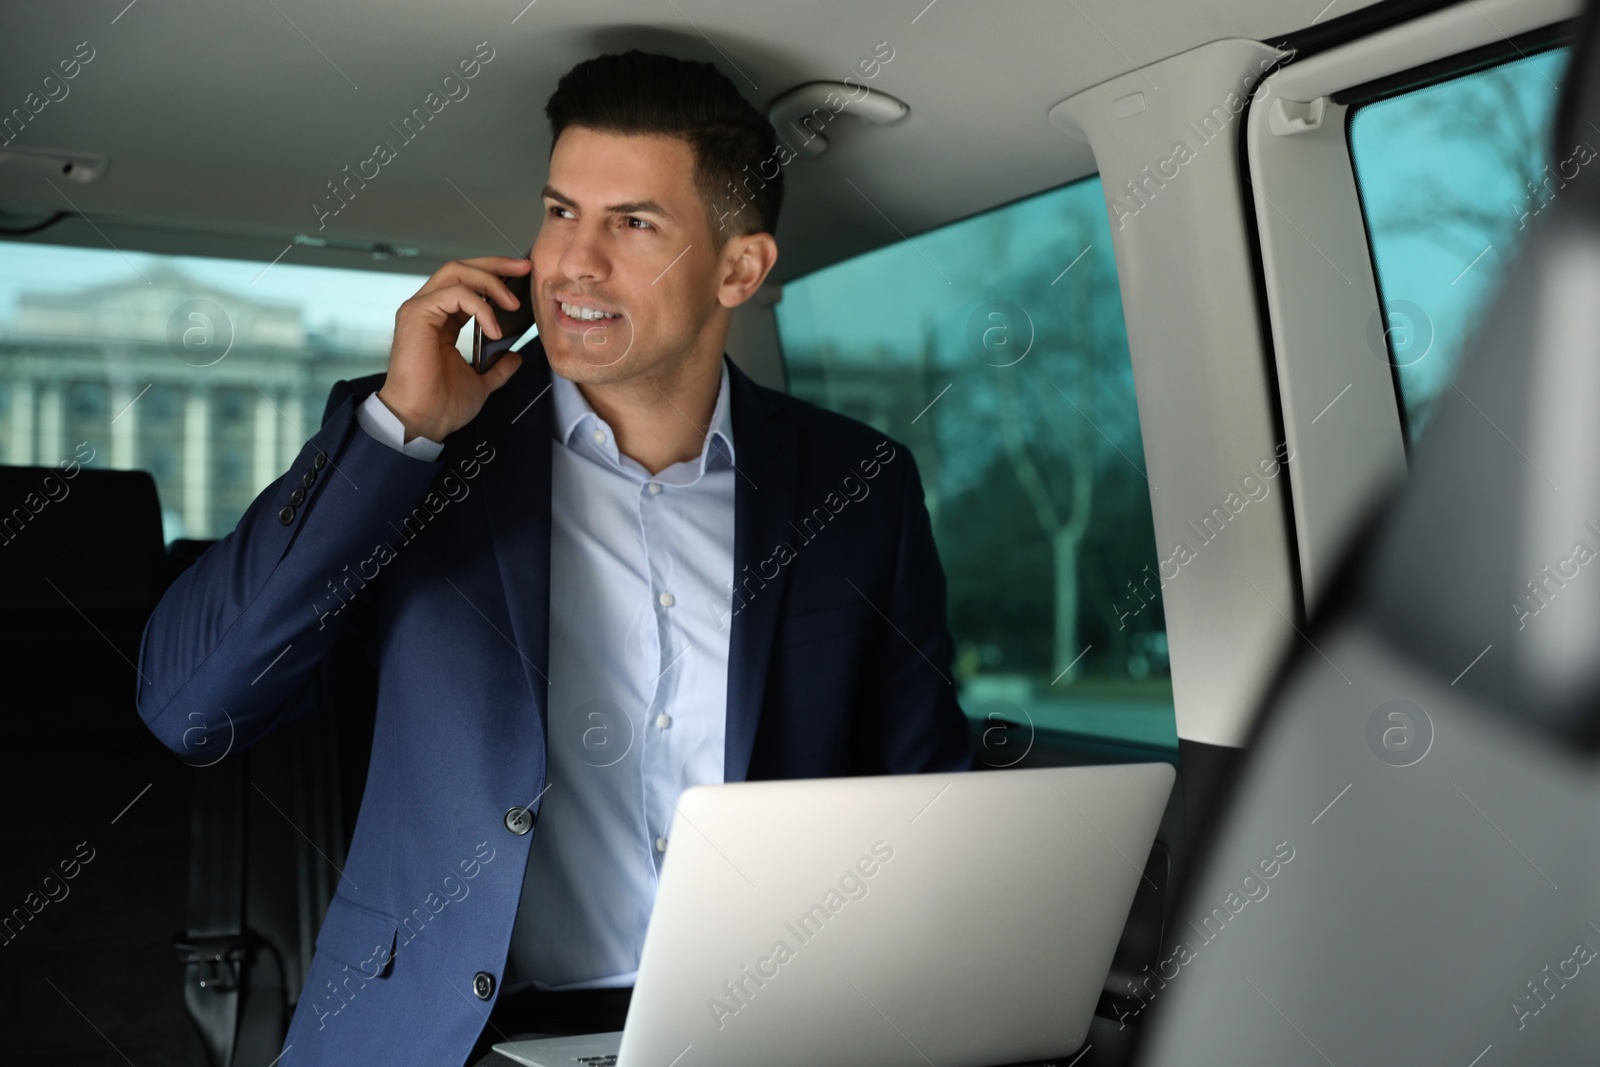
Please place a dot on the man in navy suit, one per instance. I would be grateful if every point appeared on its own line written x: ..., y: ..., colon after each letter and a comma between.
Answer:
x: 605, y: 570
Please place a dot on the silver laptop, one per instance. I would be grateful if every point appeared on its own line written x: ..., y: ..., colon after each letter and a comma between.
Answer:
x: 961, y: 919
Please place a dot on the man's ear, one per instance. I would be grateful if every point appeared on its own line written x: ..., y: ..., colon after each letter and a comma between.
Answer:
x: 747, y: 260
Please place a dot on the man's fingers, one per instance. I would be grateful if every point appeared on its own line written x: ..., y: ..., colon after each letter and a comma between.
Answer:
x: 482, y: 271
x: 503, y: 368
x: 486, y: 282
x: 459, y: 299
x: 508, y: 265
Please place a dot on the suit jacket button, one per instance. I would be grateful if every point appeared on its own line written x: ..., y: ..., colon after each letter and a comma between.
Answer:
x: 286, y: 515
x: 297, y: 497
x: 483, y: 985
x: 307, y: 478
x: 317, y: 464
x: 519, y: 821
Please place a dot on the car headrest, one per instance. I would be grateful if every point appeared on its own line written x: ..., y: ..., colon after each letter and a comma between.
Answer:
x: 78, y: 539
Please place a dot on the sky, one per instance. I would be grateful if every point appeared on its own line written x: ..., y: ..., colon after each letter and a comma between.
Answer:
x: 888, y: 296
x: 358, y: 299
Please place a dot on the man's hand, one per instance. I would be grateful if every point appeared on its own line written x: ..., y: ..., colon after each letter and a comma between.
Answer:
x: 430, y: 388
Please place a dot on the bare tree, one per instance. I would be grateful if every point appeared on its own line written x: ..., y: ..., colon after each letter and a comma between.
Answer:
x: 1044, y: 380
x: 1063, y: 527
x: 1474, y: 175
x: 1491, y: 114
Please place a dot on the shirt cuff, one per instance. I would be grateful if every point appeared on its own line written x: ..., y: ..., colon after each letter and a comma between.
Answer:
x: 384, y: 425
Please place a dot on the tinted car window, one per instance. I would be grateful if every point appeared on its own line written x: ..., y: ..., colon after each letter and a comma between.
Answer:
x: 995, y: 348
x: 1452, y: 177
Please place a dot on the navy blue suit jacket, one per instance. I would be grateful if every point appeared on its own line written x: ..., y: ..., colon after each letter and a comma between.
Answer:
x: 839, y: 663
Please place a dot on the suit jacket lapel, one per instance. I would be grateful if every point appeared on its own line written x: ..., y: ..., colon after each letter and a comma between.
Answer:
x: 517, y: 420
x: 763, y: 507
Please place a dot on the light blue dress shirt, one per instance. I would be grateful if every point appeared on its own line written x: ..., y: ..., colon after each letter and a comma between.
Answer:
x: 638, y: 682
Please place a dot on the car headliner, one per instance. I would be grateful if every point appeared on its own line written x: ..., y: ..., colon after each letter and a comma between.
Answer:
x: 224, y: 123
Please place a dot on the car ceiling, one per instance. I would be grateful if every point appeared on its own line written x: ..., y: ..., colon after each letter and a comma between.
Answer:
x: 224, y: 122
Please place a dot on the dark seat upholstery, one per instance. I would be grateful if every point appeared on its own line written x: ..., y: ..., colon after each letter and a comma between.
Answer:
x: 88, y: 971
x: 81, y: 565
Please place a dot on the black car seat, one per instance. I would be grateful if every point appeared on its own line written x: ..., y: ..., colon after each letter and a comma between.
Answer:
x: 159, y: 907
x: 96, y: 835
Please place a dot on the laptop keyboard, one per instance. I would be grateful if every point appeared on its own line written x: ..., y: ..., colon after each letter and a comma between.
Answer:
x: 596, y: 1061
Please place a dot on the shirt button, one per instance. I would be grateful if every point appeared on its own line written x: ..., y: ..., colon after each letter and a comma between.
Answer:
x: 599, y: 437
x: 667, y: 600
x: 664, y: 721
x: 655, y: 488
x: 483, y: 985
x: 661, y: 844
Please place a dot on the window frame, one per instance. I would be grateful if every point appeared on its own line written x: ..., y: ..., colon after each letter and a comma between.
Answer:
x: 1528, y: 45
x: 1309, y: 217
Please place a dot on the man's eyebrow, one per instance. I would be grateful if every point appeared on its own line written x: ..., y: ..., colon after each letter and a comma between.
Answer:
x: 640, y: 207
x: 632, y: 207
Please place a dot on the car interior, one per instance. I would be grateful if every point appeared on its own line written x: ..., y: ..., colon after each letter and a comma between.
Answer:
x: 1241, y: 347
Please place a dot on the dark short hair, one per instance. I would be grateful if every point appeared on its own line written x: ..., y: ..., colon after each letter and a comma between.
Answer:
x: 638, y: 92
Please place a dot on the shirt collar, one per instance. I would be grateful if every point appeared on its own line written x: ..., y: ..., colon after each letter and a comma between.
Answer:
x: 573, y: 411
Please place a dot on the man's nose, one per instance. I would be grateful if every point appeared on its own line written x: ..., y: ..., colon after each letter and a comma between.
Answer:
x: 584, y: 258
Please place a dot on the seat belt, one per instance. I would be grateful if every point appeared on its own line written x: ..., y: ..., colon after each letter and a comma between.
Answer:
x: 214, y: 949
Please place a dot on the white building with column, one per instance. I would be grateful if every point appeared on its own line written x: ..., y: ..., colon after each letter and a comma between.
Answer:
x: 151, y: 376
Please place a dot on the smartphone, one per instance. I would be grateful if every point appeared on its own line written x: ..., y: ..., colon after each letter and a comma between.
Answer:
x: 514, y: 325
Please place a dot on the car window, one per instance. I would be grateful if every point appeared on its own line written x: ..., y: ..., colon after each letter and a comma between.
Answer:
x: 995, y: 349
x: 1452, y: 178
x: 210, y: 374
